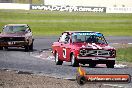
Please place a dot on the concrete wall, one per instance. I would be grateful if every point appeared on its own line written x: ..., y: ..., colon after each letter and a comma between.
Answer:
x: 103, y: 3
x: 6, y: 1
x: 14, y: 6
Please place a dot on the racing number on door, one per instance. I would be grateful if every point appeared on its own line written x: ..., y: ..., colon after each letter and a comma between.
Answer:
x: 64, y: 53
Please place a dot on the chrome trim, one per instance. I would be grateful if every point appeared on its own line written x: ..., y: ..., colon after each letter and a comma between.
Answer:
x: 96, y: 58
x: 95, y: 52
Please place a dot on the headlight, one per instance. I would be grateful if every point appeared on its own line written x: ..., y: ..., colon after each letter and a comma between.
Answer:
x: 83, y: 52
x: 112, y: 53
x: 26, y: 38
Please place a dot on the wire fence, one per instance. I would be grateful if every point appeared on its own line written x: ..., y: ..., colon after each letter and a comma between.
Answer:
x: 23, y: 1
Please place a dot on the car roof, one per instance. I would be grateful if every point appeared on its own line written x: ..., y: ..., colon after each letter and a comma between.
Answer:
x: 70, y: 32
x: 16, y: 25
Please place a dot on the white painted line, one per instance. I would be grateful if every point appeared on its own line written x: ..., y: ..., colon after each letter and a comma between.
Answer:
x: 41, y: 55
x: 113, y: 85
x: 129, y: 43
x: 119, y: 66
x: 121, y: 43
x: 51, y: 58
x: 38, y: 56
x: 115, y: 43
x: 115, y: 66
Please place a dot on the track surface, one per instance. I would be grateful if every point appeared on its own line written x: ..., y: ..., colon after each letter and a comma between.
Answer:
x: 17, y: 59
x: 46, y: 42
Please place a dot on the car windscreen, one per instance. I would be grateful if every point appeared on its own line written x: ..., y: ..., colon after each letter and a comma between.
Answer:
x: 14, y: 29
x: 88, y: 37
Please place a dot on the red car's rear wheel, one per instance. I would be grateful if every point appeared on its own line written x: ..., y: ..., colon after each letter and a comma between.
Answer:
x: 57, y: 60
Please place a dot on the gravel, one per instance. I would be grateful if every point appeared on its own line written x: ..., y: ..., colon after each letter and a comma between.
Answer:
x: 10, y: 79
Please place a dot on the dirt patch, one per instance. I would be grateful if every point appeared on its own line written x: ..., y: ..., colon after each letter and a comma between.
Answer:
x: 10, y: 79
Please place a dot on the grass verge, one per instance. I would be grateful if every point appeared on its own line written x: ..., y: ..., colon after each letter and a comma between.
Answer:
x: 124, y: 54
x: 54, y: 23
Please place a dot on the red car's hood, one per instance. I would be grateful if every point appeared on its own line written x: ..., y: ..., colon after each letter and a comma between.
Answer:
x: 92, y: 46
x: 20, y: 34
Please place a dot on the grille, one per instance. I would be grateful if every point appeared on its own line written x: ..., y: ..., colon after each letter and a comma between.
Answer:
x: 106, y: 53
x: 12, y: 39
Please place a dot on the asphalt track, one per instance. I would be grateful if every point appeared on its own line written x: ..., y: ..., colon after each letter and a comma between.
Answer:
x: 46, y: 42
x: 17, y: 59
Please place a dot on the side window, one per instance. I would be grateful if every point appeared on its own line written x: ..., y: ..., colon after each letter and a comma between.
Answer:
x: 64, y: 38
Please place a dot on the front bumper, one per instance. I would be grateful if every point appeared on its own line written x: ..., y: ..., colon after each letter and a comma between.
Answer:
x: 13, y: 44
x: 96, y: 60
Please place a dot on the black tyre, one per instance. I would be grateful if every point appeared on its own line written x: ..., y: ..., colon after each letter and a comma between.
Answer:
x: 1, y: 48
x: 83, y: 64
x: 6, y: 48
x: 26, y: 48
x: 110, y: 64
x: 92, y: 65
x: 31, y: 47
x: 74, y: 62
x: 57, y: 61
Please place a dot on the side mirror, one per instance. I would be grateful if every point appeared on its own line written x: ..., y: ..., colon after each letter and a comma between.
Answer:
x: 3, y: 28
x: 29, y: 29
x: 59, y: 39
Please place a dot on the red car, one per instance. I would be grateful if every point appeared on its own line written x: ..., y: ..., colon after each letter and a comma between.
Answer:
x: 83, y: 47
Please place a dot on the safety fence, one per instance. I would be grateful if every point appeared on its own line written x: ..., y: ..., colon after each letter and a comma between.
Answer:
x: 65, y: 8
x: 68, y: 8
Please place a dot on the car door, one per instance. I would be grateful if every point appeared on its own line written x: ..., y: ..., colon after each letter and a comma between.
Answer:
x: 65, y: 47
x: 66, y: 52
x: 61, y: 49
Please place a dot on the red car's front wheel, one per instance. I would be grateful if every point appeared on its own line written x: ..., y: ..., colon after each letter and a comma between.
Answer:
x: 74, y: 62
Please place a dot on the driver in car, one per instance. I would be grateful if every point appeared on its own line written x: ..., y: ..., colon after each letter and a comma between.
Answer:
x: 75, y: 39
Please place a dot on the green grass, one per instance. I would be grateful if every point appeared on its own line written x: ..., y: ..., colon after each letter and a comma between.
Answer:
x: 28, y: 1
x: 124, y: 54
x: 54, y: 23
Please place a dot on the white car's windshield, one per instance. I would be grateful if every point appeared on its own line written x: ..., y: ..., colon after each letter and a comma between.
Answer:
x: 88, y: 37
x: 14, y: 29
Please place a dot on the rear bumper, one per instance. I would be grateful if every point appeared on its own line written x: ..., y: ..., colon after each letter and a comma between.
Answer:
x: 96, y: 60
x: 13, y: 44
